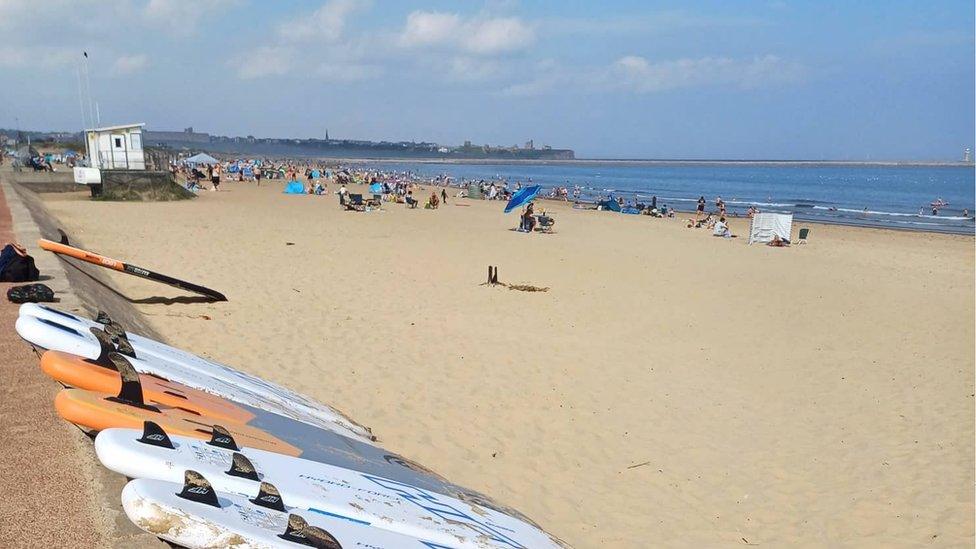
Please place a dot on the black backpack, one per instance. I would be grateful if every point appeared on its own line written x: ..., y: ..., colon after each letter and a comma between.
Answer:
x: 19, y: 269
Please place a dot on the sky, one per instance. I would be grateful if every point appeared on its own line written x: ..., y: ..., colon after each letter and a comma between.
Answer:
x: 869, y: 80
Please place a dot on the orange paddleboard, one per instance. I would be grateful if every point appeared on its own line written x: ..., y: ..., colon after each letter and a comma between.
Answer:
x: 98, y: 411
x: 80, y: 373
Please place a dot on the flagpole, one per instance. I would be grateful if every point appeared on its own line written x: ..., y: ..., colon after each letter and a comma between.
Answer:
x: 84, y: 124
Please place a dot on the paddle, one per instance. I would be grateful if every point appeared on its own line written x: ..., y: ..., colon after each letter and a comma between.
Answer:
x: 63, y: 248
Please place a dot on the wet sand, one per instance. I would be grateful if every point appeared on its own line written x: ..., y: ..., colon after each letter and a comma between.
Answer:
x: 670, y: 388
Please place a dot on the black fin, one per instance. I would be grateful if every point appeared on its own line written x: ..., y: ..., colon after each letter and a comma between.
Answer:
x: 242, y: 467
x: 222, y: 438
x: 196, y: 488
x: 299, y: 531
x: 125, y: 347
x: 115, y: 329
x: 105, y: 346
x: 64, y: 237
x: 270, y: 497
x: 154, y: 435
x: 131, y: 392
x: 102, y: 318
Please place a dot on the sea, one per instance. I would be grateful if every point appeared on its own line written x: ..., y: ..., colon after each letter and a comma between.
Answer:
x: 889, y: 196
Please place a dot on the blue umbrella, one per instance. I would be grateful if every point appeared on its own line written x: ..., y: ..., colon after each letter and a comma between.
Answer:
x: 523, y: 196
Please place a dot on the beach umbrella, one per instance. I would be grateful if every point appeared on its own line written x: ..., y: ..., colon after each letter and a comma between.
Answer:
x: 522, y: 196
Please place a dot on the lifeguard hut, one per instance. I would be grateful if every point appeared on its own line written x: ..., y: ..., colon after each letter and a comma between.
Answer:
x: 116, y: 147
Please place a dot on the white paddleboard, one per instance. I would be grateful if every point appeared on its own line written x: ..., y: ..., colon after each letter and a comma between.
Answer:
x: 320, y: 488
x: 193, y: 515
x: 53, y: 329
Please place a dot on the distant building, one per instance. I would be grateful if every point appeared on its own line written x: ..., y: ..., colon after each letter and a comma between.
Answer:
x: 529, y: 144
x: 967, y: 156
x: 167, y: 138
x: 116, y: 147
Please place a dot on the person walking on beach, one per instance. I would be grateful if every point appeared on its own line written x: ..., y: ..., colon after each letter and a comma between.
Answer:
x: 701, y: 208
x: 444, y: 195
x: 215, y: 177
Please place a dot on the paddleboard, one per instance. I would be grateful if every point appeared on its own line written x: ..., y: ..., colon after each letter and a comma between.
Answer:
x: 62, y: 248
x: 194, y: 515
x: 97, y: 411
x: 80, y: 373
x: 53, y: 329
x: 333, y: 491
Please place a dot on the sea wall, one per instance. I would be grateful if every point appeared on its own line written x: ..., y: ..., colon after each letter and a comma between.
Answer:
x: 139, y: 185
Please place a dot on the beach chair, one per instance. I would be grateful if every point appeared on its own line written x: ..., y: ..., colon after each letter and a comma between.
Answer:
x: 545, y: 223
x: 802, y: 237
x: 356, y: 202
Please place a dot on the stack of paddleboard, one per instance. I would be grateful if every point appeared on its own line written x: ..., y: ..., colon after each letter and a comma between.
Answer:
x: 222, y: 458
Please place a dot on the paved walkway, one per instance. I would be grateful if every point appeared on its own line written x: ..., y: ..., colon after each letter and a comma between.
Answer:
x: 54, y: 492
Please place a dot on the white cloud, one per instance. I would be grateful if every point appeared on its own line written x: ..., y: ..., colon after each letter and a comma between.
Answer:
x: 184, y: 16
x: 327, y: 23
x: 479, y: 35
x: 128, y: 64
x: 651, y: 22
x: 498, y: 35
x: 184, y: 11
x: 425, y: 28
x: 637, y: 74
x: 265, y: 61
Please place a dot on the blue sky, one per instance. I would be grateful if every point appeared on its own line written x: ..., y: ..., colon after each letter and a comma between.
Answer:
x: 625, y: 79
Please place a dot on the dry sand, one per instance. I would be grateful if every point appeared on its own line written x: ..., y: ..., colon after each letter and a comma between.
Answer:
x: 669, y: 389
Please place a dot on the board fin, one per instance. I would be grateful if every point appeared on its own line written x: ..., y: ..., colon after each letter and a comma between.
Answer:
x: 154, y: 435
x: 105, y: 346
x: 299, y: 531
x: 198, y: 489
x: 131, y: 391
x: 64, y: 237
x: 269, y: 496
x: 222, y: 438
x: 242, y: 467
x: 103, y: 318
x: 125, y: 347
x: 119, y: 337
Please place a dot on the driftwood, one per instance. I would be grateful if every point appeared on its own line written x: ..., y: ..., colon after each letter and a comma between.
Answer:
x: 493, y: 281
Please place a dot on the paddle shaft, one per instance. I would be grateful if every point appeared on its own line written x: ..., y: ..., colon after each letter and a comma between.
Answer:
x: 102, y: 261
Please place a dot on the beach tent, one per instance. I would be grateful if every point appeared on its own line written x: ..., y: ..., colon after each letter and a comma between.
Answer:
x: 294, y: 187
x: 202, y: 158
x: 68, y: 153
x: 610, y: 205
x: 316, y: 174
x: 376, y: 188
x: 234, y: 168
x: 767, y: 225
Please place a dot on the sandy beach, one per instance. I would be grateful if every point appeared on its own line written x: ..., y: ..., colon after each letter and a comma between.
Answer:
x: 669, y: 388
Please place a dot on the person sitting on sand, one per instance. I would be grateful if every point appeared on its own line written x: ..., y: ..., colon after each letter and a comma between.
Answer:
x: 528, y: 218
x: 778, y: 242
x: 722, y: 229
x: 433, y: 202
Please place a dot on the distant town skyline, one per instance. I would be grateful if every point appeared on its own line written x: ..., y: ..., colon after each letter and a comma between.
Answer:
x: 622, y: 79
